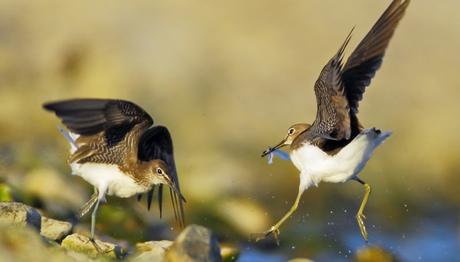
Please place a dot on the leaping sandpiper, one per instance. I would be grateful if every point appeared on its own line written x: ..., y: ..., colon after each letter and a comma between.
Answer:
x: 336, y: 147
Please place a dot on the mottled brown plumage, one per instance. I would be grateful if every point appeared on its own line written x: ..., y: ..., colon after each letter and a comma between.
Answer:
x: 339, y: 87
x: 335, y: 148
x: 118, y: 132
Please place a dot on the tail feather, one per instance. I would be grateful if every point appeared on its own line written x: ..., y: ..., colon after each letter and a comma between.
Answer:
x: 379, y: 135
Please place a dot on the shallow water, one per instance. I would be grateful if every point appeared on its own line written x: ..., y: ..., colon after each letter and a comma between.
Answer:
x: 426, y: 239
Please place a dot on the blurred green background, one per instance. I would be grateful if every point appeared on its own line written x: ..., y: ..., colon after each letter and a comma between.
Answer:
x: 228, y: 78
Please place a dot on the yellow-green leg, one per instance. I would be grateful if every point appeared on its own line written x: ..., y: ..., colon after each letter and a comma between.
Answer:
x: 360, y: 216
x: 275, y: 229
x: 93, y: 201
x: 89, y: 204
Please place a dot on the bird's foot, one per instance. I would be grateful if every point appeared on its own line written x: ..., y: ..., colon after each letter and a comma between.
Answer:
x: 96, y: 246
x: 273, y: 230
x: 360, y: 217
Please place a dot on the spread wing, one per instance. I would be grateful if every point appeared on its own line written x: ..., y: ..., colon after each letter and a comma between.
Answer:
x: 332, y: 117
x: 339, y: 87
x: 88, y: 117
x: 367, y: 57
x: 156, y: 143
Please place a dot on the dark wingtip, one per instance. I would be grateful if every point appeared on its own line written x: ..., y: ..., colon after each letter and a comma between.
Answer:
x: 149, y: 198
x: 160, y: 199
x: 48, y: 106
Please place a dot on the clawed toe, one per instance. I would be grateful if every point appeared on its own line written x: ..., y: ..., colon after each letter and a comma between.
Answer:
x: 96, y: 246
x: 360, y: 218
x: 259, y: 236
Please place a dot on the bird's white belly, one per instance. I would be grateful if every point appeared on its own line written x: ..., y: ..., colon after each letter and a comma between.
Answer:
x: 315, y: 165
x: 108, y: 179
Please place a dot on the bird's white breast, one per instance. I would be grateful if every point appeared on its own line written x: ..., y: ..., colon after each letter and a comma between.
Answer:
x: 105, y: 177
x: 108, y: 178
x: 315, y: 165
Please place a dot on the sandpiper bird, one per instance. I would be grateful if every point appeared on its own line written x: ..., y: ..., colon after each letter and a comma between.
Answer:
x: 115, y: 149
x: 335, y: 148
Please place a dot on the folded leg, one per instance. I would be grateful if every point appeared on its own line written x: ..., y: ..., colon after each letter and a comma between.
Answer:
x: 89, y: 204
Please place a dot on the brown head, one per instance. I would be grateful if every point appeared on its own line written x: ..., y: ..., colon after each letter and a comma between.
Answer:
x: 292, y: 133
x: 158, y: 173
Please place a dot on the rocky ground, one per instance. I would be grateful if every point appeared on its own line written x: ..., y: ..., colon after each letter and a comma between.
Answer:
x: 27, y: 235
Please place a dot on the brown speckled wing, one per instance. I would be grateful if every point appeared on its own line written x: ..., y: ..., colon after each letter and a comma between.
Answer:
x: 106, y: 128
x: 88, y: 117
x: 339, y: 88
x: 367, y: 57
x: 332, y: 117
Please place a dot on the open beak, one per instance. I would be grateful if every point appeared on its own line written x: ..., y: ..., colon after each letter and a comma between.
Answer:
x: 177, y: 201
x: 271, y: 149
x: 174, y: 188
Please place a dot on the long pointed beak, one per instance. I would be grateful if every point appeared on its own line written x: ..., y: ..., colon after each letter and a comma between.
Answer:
x: 173, y: 186
x: 271, y: 149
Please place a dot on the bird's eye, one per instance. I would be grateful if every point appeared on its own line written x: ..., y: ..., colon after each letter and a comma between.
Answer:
x: 291, y: 131
x: 159, y: 171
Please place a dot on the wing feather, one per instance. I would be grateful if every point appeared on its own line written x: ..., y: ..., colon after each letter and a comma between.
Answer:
x: 339, y: 88
x: 156, y: 143
x: 91, y: 116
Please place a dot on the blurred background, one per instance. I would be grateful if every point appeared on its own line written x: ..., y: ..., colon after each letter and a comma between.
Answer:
x: 228, y: 78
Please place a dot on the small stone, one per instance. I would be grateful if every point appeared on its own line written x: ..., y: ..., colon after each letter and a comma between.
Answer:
x: 229, y: 252
x: 151, y: 250
x: 300, y: 260
x: 195, y: 243
x: 374, y: 253
x: 15, y: 213
x: 54, y: 229
x: 82, y: 244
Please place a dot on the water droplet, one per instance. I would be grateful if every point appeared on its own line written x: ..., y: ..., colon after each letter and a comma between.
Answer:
x: 331, y: 212
x: 345, y: 211
x: 292, y: 247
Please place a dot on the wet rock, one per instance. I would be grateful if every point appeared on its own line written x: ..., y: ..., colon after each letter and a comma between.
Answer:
x: 54, y: 229
x: 229, y: 252
x: 300, y: 260
x: 14, y: 213
x: 151, y: 251
x: 19, y: 243
x: 82, y: 244
x: 373, y: 253
x: 195, y: 243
